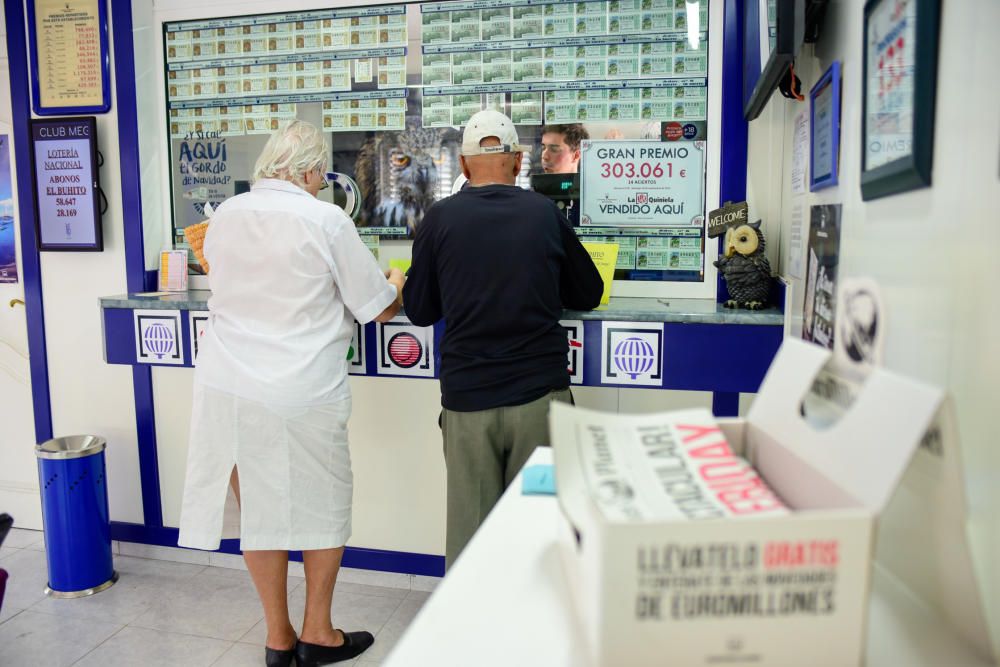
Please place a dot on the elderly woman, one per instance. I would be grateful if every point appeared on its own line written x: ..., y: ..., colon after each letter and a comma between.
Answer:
x: 289, y: 274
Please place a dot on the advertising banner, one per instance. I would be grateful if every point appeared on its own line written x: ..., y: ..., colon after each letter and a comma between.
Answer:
x: 642, y: 183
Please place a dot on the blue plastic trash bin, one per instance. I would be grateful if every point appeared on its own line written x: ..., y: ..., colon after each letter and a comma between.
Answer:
x: 75, y: 516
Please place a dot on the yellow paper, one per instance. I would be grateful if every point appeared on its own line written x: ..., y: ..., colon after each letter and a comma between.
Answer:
x: 605, y: 256
x: 401, y: 264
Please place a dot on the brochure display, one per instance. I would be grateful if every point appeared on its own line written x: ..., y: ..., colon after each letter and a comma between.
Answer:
x: 735, y: 577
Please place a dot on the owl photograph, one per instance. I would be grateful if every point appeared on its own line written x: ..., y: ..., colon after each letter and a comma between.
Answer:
x: 400, y: 174
x: 745, y: 267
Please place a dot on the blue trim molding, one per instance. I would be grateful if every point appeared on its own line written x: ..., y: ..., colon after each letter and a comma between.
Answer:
x: 733, y: 170
x: 402, y: 562
x: 135, y: 254
x: 31, y: 270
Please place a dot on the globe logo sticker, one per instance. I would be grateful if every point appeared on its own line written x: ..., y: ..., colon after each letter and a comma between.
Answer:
x: 632, y: 354
x: 405, y: 350
x: 159, y: 339
x: 634, y: 357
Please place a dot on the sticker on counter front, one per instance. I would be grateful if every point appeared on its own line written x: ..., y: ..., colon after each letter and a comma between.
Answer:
x: 405, y: 349
x: 642, y: 183
x: 632, y: 353
x: 197, y: 323
x: 574, y: 356
x: 356, y: 352
x: 158, y: 337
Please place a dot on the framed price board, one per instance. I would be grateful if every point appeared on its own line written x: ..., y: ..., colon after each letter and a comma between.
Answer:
x: 69, y: 56
x: 64, y: 171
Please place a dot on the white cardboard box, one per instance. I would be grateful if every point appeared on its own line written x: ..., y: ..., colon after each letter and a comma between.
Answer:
x: 788, y: 590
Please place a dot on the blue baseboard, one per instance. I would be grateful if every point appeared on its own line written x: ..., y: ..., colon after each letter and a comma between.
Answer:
x: 401, y: 562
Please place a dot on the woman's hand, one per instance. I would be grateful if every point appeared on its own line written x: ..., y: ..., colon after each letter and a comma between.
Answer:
x: 396, y: 277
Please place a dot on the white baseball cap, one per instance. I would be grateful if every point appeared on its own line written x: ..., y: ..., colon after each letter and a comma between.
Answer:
x: 490, y: 123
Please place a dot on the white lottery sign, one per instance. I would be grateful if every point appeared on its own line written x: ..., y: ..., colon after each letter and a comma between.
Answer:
x: 642, y: 183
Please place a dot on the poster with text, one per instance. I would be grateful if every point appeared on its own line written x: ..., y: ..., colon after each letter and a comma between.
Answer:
x: 8, y: 248
x: 820, y: 304
x: 642, y: 183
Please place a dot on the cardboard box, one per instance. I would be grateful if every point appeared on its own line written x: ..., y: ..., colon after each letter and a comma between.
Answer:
x: 788, y: 590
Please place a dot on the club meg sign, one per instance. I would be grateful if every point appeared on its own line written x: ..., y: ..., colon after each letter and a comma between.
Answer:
x: 64, y: 168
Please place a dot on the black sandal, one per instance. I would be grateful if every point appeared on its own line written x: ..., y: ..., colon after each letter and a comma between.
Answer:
x: 313, y: 655
x: 275, y: 658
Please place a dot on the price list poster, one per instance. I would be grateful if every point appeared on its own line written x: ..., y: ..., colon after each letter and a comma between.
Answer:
x: 69, y: 56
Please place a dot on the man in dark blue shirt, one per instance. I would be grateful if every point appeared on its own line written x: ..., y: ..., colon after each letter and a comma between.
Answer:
x: 498, y: 264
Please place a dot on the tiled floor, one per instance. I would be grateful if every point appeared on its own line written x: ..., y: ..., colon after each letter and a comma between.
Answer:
x: 200, y: 612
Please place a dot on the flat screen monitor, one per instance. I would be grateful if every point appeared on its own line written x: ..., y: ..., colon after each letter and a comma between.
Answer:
x: 789, y: 33
x: 66, y: 187
x: 557, y: 187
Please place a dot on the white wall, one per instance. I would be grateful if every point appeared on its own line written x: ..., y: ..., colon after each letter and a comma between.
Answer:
x: 930, y: 250
x: 87, y: 395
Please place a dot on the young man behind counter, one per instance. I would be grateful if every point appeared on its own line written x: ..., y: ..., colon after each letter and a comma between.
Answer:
x: 499, y: 264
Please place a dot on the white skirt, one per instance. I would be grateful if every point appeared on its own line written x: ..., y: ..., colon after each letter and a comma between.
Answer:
x: 294, y: 470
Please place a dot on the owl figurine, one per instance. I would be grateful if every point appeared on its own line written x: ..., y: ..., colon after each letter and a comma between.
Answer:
x: 745, y: 267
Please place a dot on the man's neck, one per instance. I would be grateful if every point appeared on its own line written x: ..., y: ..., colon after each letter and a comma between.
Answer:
x: 481, y: 183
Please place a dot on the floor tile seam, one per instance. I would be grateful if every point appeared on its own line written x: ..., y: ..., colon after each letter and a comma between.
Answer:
x: 223, y: 655
x: 99, y: 644
x: 389, y: 618
x: 189, y: 634
x: 15, y: 615
x: 119, y: 621
x: 404, y: 591
x: 412, y: 617
x: 166, y: 560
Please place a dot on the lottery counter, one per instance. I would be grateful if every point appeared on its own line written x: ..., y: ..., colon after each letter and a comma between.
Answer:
x: 678, y: 344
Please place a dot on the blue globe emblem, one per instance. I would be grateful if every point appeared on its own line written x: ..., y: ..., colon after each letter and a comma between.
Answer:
x: 634, y: 356
x: 159, y: 339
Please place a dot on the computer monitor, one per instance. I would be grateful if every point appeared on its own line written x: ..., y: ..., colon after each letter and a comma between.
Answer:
x: 563, y: 189
x: 558, y: 187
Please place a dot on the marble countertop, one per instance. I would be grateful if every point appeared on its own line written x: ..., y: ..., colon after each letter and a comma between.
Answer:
x: 620, y: 309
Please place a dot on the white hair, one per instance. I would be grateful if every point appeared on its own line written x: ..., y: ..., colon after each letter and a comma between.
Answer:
x: 292, y: 151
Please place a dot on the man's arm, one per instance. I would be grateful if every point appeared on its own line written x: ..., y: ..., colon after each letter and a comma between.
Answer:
x: 422, y: 294
x: 580, y: 284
